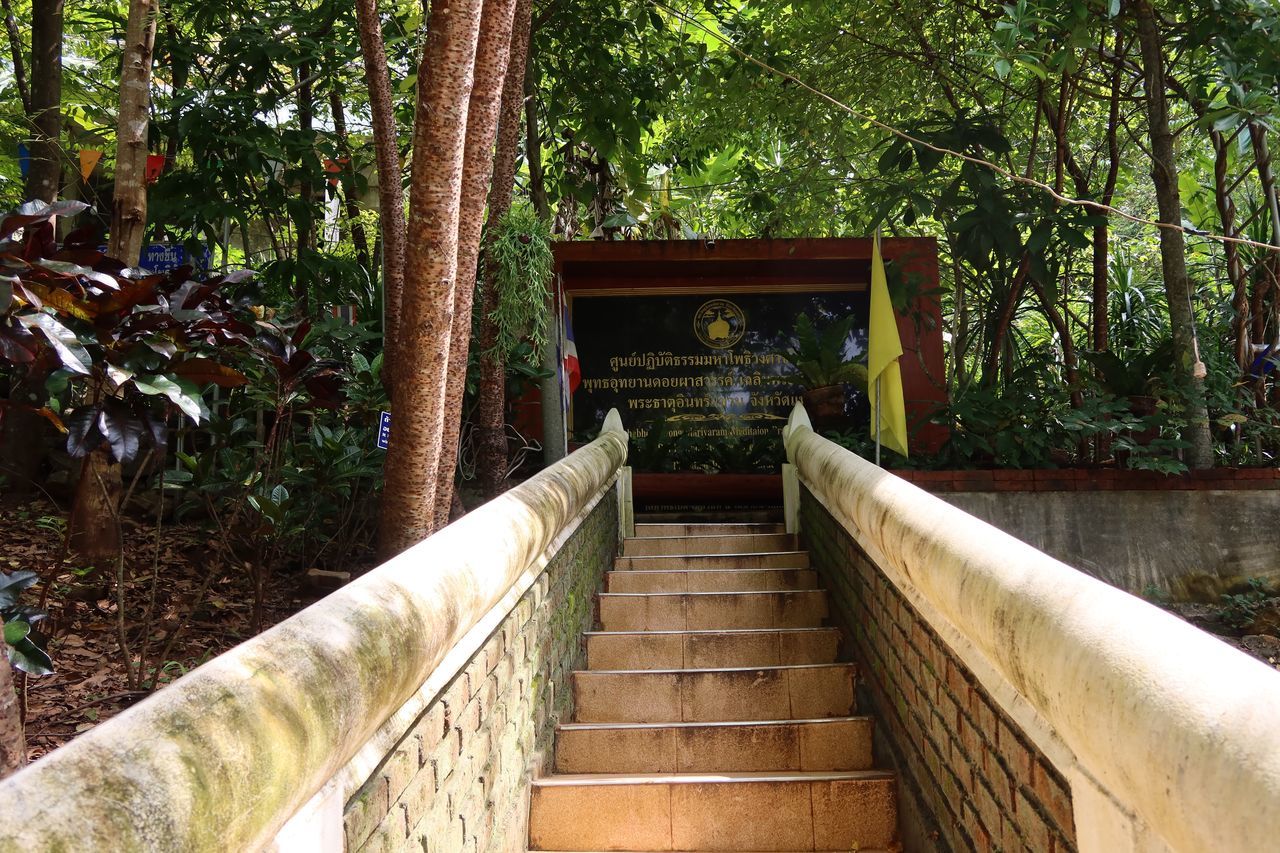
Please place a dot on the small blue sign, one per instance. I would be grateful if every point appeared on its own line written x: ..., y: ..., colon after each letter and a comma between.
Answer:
x: 166, y: 257
x: 384, y: 430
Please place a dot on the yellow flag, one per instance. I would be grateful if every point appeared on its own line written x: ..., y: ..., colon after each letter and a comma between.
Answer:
x: 884, y: 348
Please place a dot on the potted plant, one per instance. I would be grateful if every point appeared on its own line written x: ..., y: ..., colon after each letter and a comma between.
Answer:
x: 818, y: 358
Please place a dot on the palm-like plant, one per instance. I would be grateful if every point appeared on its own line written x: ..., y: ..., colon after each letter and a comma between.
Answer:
x: 819, y: 356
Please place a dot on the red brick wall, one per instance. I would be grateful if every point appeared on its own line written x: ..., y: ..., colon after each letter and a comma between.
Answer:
x: 976, y: 779
x: 1091, y: 479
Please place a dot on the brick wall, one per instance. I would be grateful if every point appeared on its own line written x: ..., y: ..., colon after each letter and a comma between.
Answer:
x: 458, y: 779
x: 976, y: 781
x: 1093, y: 480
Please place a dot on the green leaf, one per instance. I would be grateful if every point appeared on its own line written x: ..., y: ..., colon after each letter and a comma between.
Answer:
x: 16, y: 631
x: 30, y: 658
x: 182, y: 394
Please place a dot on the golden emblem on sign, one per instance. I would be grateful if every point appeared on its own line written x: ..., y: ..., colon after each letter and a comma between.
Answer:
x: 719, y: 323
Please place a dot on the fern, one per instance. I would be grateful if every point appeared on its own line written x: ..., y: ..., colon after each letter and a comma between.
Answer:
x: 518, y: 262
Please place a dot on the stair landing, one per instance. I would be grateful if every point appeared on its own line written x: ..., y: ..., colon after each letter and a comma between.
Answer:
x: 713, y: 714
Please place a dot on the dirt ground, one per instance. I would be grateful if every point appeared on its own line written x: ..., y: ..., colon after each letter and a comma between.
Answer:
x: 90, y: 683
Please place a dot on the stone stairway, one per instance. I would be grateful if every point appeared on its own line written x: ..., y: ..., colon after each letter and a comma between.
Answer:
x: 712, y: 715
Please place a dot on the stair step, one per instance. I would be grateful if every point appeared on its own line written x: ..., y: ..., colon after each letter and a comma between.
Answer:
x: 711, y: 649
x: 836, y: 743
x: 700, y: 611
x: 721, y: 812
x: 713, y: 695
x: 645, y: 529
x: 753, y: 560
x: 750, y: 543
x: 711, y: 580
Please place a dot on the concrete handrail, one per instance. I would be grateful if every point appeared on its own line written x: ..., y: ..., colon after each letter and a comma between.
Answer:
x: 1174, y: 726
x: 223, y: 758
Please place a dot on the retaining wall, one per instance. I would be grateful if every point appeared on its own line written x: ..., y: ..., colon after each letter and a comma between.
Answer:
x: 458, y: 778
x: 1166, y: 739
x: 1192, y: 536
x: 970, y: 777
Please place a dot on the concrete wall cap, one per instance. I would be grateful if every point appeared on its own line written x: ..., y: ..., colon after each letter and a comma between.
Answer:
x: 223, y: 758
x: 1180, y: 728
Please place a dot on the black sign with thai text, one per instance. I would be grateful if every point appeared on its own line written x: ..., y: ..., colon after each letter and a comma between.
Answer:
x: 702, y: 380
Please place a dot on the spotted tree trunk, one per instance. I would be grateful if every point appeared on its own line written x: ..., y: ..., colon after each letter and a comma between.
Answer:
x: 492, y: 54
x: 390, y: 192
x: 421, y: 345
x: 490, y: 415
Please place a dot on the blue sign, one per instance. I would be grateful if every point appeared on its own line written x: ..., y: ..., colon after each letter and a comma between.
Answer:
x: 384, y: 430
x: 165, y: 257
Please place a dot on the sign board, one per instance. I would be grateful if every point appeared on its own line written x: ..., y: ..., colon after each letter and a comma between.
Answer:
x: 700, y: 378
x: 165, y: 257
x: 384, y: 430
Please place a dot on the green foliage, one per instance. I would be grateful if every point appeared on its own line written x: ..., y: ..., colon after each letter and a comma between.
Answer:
x: 1133, y: 374
x: 1238, y: 610
x: 26, y: 646
x: 519, y: 260
x: 290, y: 465
x: 819, y: 357
x: 134, y: 347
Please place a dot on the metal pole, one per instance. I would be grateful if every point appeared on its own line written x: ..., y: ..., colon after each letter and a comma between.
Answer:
x: 877, y: 407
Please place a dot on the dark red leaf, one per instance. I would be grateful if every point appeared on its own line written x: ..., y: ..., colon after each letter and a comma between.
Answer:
x: 82, y: 432
x: 122, y: 429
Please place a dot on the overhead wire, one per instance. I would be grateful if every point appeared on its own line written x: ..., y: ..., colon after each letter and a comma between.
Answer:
x: 949, y: 152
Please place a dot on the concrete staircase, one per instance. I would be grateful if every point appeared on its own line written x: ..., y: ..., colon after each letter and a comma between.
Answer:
x: 713, y: 715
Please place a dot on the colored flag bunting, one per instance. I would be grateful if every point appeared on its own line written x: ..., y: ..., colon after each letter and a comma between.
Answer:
x: 89, y: 158
x: 572, y: 370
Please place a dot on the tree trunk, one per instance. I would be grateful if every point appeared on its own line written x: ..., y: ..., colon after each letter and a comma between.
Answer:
x: 92, y: 533
x: 1004, y: 321
x: 390, y: 191
x: 492, y: 54
x: 45, y: 174
x: 1177, y: 285
x: 16, y: 56
x: 491, y: 422
x: 347, y: 177
x: 13, y: 745
x: 1231, y: 252
x: 179, y: 71
x: 129, y: 210
x: 417, y: 408
x: 1102, y: 231
x: 304, y: 223
x: 533, y: 147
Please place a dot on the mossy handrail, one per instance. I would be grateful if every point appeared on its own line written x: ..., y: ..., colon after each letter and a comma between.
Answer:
x: 1179, y: 733
x: 222, y: 759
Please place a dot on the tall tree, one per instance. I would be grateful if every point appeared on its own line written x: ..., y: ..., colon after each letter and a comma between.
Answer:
x: 1173, y: 258
x: 44, y: 176
x: 490, y: 419
x: 492, y: 55
x: 390, y: 190
x: 91, y: 530
x: 421, y: 349
x: 129, y: 211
